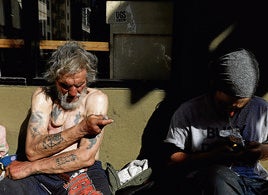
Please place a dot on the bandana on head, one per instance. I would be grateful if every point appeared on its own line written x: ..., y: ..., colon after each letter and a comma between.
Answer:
x: 236, y: 73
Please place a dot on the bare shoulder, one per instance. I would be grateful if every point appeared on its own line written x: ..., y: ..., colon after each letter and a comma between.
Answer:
x: 96, y: 101
x: 96, y: 94
x: 38, y: 91
x: 39, y: 97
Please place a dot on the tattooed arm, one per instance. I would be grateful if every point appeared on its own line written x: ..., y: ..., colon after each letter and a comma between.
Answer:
x: 40, y: 144
x: 63, y: 162
x: 47, y: 152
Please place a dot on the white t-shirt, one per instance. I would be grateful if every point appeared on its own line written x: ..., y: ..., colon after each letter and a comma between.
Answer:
x: 196, y: 125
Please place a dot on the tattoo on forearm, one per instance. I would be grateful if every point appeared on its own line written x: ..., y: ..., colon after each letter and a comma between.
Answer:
x: 77, y: 117
x: 92, y: 141
x: 35, y: 122
x: 63, y: 160
x: 52, y: 140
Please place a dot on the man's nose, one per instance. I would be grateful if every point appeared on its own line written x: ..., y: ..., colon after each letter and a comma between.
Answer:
x: 72, y: 91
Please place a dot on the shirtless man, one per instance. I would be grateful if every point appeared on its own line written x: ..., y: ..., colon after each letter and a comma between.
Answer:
x: 65, y: 131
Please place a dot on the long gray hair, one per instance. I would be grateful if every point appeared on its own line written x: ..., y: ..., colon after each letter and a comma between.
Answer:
x: 71, y: 58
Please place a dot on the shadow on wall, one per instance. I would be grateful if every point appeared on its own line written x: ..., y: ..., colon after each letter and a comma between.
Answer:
x: 198, y: 24
x: 22, y: 138
x: 204, y: 30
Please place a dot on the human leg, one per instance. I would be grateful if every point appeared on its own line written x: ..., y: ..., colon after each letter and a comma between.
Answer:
x: 97, y: 174
x: 264, y: 188
x: 255, y: 186
x: 26, y: 186
x: 94, y: 179
x: 51, y: 183
x: 219, y: 180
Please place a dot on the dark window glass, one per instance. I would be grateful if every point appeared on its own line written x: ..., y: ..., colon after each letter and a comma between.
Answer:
x: 25, y: 26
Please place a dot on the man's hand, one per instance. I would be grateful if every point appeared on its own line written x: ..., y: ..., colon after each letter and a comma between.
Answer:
x: 19, y: 169
x: 95, y: 123
x: 251, y: 154
x: 221, y: 152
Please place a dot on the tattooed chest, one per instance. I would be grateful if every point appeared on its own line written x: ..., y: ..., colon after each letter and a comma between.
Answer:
x: 61, y: 119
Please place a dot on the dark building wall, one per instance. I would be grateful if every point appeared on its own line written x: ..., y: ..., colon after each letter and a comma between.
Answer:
x: 198, y: 23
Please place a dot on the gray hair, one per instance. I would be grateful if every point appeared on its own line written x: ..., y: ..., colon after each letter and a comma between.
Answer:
x: 71, y: 58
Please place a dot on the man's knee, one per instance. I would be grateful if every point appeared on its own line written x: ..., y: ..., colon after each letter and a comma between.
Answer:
x: 222, y: 179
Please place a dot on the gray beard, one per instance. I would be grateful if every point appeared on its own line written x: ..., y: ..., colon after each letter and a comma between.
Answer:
x: 71, y: 105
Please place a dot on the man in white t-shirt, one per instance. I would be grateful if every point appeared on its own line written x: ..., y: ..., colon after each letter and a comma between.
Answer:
x: 215, y: 141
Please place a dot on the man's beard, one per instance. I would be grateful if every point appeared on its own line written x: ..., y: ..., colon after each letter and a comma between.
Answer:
x: 71, y: 105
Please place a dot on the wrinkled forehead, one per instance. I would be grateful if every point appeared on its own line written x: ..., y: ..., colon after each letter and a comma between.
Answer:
x: 78, y: 76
